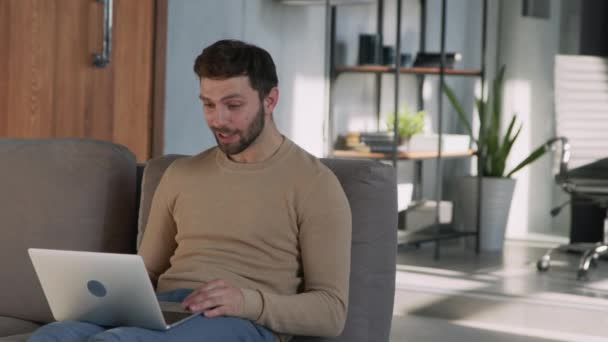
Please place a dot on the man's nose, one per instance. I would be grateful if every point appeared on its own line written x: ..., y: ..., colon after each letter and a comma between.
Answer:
x: 222, y: 116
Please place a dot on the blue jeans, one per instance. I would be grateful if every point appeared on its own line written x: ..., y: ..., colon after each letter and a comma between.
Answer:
x: 200, y: 328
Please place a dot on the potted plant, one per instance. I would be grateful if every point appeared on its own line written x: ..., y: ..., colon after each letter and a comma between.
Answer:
x: 493, y: 149
x: 408, y: 124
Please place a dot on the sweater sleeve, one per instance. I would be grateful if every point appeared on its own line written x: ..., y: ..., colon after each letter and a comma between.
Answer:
x: 158, y: 242
x: 324, y: 219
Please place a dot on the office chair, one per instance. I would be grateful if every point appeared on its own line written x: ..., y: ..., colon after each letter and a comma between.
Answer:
x: 581, y: 104
x: 588, y: 182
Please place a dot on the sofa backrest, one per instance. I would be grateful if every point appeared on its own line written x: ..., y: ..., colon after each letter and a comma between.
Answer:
x: 71, y: 194
x: 372, y: 194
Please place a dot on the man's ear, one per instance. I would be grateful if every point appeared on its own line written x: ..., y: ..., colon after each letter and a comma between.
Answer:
x: 271, y: 100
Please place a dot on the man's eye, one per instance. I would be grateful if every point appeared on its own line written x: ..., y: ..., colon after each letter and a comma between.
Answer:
x: 209, y: 105
x: 234, y: 105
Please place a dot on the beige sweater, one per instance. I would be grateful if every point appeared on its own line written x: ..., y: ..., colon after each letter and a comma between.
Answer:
x: 280, y: 230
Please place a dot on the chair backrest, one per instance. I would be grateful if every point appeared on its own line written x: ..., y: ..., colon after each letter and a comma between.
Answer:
x: 581, y: 106
x: 372, y: 194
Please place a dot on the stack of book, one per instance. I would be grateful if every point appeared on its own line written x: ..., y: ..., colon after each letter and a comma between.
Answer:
x: 433, y: 59
x: 351, y: 141
x: 378, y: 142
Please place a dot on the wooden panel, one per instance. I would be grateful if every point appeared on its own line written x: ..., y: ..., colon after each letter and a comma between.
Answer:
x: 133, y: 74
x: 20, y: 61
x: 160, y: 48
x: 31, y: 102
x: 48, y: 86
x: 43, y: 73
x: 4, y: 70
x: 99, y: 98
x: 70, y: 68
x: 30, y: 37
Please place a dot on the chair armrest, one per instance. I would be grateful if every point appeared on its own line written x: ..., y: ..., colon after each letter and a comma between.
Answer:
x: 564, y: 159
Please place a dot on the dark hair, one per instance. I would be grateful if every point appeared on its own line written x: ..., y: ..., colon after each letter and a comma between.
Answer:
x: 230, y: 58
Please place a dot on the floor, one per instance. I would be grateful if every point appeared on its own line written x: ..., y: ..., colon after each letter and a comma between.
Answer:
x: 497, y: 296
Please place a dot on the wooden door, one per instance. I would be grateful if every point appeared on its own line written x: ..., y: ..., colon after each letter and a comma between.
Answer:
x: 49, y: 86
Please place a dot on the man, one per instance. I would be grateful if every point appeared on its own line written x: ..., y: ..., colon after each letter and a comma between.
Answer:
x: 254, y: 233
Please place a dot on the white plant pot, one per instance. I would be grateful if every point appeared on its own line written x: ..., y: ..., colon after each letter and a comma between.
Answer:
x: 404, y: 144
x: 496, y: 195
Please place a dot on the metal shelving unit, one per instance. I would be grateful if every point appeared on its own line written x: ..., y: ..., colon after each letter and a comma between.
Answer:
x: 400, y: 155
x: 439, y: 232
x: 403, y: 70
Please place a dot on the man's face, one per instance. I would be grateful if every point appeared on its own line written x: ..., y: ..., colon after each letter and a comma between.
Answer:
x: 233, y: 111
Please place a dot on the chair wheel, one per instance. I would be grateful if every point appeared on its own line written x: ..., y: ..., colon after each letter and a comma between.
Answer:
x: 593, y: 262
x: 543, y: 264
x: 582, y: 275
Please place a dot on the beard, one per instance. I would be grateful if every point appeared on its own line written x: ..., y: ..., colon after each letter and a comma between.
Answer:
x: 246, y: 138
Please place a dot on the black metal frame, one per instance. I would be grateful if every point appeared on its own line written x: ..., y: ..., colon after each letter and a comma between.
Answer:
x: 439, y: 231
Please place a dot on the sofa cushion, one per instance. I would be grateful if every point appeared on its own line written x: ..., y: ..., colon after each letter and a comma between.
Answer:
x: 13, y: 326
x: 153, y: 172
x: 72, y: 194
x: 371, y: 190
x: 15, y: 338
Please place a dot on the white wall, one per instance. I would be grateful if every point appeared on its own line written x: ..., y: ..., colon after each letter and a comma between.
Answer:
x: 192, y: 24
x: 527, y: 47
x: 294, y: 36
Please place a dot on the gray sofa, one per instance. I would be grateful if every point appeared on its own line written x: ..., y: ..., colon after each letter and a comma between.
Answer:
x: 78, y: 194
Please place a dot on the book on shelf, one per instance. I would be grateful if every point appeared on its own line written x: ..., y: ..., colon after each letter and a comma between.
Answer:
x: 421, y: 214
x: 365, y: 142
x: 383, y: 142
x: 381, y: 148
x: 433, y: 59
x: 376, y: 136
x: 450, y: 143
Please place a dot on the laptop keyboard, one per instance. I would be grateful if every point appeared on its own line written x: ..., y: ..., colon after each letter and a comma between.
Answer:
x: 172, y: 317
x: 173, y: 312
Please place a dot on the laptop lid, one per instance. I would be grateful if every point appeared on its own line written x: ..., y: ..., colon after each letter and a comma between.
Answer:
x: 102, y: 288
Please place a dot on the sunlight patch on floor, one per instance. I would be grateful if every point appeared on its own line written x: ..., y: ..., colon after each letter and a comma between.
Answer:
x: 431, y: 270
x: 598, y: 285
x: 437, y: 282
x: 541, y: 333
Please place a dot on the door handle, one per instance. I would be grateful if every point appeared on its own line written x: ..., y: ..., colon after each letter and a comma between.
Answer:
x: 102, y: 59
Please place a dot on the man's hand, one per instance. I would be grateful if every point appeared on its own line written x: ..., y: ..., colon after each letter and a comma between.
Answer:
x: 216, y: 298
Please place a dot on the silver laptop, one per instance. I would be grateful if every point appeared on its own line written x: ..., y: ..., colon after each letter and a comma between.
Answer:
x: 105, y: 289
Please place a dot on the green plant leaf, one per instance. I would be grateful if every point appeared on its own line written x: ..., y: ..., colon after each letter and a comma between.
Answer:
x: 537, y: 153
x: 505, y: 147
x: 512, y: 141
x: 461, y: 114
x: 497, y: 99
x: 408, y: 123
x: 507, y: 137
x: 493, y: 149
x: 492, y: 155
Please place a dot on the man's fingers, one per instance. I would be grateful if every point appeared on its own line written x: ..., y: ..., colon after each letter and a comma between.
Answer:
x: 206, y: 304
x: 202, y: 290
x: 216, y: 298
x: 219, y: 311
x: 190, y: 297
x: 206, y: 300
x: 199, y: 295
